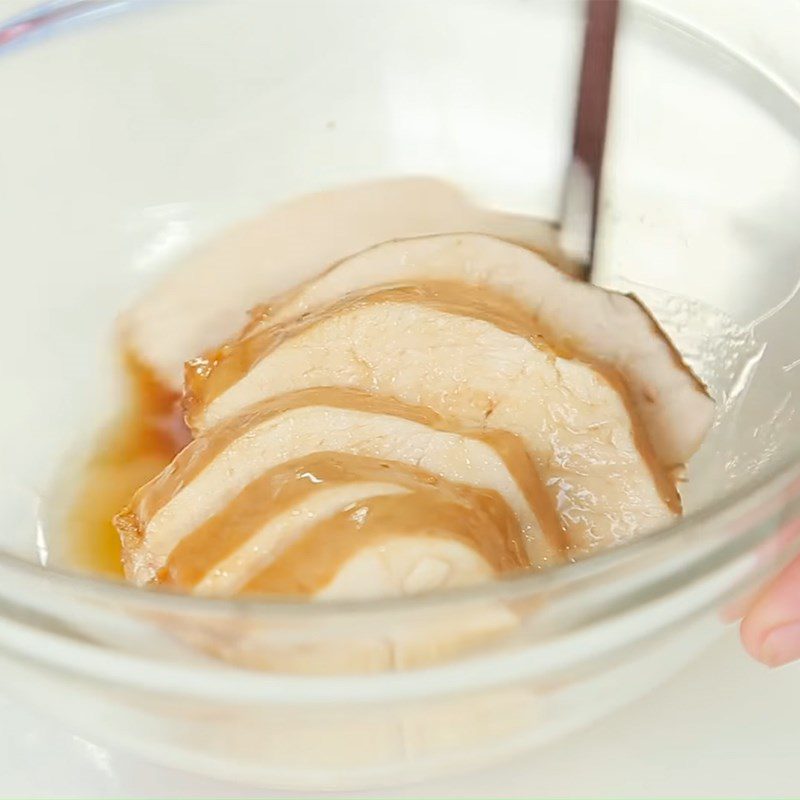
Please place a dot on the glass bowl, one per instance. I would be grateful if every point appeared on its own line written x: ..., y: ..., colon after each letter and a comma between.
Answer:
x: 131, y: 131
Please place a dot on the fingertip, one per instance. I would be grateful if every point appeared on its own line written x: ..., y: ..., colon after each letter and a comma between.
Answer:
x: 781, y: 645
x: 752, y: 638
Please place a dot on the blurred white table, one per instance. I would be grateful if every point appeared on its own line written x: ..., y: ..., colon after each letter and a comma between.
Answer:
x: 724, y: 727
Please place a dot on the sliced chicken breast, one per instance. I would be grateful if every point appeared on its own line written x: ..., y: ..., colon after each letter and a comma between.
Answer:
x: 419, y: 535
x: 205, y: 300
x: 391, y: 545
x: 480, y: 358
x: 212, y: 471
x: 402, y: 565
x: 260, y: 542
x: 316, y: 500
x: 600, y: 326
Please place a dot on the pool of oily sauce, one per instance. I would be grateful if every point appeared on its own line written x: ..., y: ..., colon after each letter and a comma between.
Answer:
x: 143, y: 438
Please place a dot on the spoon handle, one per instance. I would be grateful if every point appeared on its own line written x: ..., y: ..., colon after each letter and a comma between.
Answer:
x: 582, y: 190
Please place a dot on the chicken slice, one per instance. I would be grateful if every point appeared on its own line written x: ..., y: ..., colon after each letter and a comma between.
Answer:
x: 288, y: 503
x: 215, y: 468
x: 392, y: 545
x: 402, y: 565
x: 410, y: 532
x: 190, y: 565
x: 601, y: 326
x: 205, y: 300
x: 475, y: 356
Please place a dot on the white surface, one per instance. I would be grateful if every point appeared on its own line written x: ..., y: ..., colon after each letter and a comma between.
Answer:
x: 724, y: 727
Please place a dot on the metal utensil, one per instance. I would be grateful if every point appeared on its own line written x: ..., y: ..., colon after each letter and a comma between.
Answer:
x: 582, y: 189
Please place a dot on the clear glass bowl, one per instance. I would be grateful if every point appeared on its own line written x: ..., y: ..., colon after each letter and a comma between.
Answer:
x: 131, y: 131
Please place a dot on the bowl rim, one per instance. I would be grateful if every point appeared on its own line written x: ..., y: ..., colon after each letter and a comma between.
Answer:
x: 783, y: 477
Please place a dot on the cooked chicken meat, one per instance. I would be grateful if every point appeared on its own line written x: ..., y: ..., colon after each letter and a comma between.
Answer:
x: 431, y: 412
x: 217, y: 483
x: 600, y: 326
x: 480, y: 358
x: 393, y: 545
x: 338, y: 524
x: 205, y: 300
